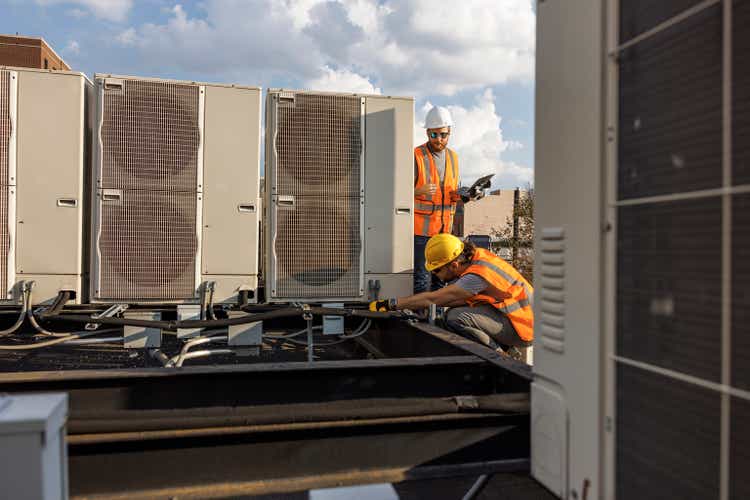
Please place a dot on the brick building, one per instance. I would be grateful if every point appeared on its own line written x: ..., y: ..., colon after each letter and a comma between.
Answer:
x: 29, y: 52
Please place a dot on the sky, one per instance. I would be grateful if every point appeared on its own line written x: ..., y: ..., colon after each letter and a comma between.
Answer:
x: 475, y: 57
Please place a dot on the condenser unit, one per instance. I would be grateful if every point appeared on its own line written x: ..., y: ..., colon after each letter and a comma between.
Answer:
x: 176, y: 190
x: 45, y: 127
x: 642, y: 178
x: 339, y: 191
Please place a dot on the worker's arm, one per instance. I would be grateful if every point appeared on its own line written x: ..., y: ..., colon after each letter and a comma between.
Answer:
x: 450, y: 295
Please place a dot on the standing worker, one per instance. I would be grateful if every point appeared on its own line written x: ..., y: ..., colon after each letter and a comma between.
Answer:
x: 435, y: 196
x: 489, y: 300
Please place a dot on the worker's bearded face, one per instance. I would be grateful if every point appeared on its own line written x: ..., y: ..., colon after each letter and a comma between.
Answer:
x: 438, y: 138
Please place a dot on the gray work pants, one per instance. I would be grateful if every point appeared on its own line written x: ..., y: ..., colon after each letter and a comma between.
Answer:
x: 484, y: 324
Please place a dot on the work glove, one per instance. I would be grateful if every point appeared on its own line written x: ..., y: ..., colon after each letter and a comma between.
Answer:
x: 381, y: 305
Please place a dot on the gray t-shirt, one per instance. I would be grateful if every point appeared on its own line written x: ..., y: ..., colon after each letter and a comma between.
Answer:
x: 439, y: 159
x: 472, y: 283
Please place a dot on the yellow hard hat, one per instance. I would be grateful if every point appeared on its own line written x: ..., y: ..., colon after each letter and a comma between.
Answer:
x: 441, y: 249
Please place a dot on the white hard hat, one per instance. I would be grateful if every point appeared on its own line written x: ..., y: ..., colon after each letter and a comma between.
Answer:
x: 438, y: 117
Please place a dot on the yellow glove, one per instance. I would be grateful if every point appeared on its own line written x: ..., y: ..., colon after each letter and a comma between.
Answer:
x: 379, y: 306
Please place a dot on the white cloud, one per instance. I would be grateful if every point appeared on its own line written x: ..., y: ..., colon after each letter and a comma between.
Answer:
x: 419, y: 47
x: 477, y: 138
x: 342, y: 81
x: 111, y: 10
x: 77, y: 13
x: 127, y: 37
x: 72, y: 47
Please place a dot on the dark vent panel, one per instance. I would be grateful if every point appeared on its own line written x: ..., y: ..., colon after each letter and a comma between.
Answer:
x: 669, y: 294
x: 639, y: 16
x: 668, y: 437
x: 670, y: 110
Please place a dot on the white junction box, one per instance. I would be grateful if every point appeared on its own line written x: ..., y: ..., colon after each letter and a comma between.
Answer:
x: 246, y: 334
x: 33, y: 456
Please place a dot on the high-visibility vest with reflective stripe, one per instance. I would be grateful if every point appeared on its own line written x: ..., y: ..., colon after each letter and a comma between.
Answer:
x: 434, y: 215
x: 510, y: 293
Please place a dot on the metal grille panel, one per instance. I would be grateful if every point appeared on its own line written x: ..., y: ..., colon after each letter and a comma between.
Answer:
x: 663, y: 318
x: 150, y: 136
x: 319, y: 143
x: 670, y: 110
x: 637, y: 16
x: 317, y: 244
x: 668, y: 435
x: 318, y: 248
x: 741, y: 92
x: 5, y: 125
x: 148, y: 246
x: 5, y: 134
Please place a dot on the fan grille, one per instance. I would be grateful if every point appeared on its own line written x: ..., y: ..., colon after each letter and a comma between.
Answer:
x: 150, y: 136
x: 148, y: 246
x: 318, y: 243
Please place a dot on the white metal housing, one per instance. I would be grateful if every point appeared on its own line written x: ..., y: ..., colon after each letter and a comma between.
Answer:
x: 339, y: 192
x: 45, y: 126
x: 176, y: 190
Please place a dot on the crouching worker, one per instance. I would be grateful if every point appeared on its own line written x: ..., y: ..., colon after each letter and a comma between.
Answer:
x: 489, y: 300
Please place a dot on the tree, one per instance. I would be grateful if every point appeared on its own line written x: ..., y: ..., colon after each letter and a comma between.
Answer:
x: 517, y: 234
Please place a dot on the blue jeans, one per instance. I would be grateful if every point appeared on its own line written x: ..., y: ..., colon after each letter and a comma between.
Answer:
x: 423, y: 279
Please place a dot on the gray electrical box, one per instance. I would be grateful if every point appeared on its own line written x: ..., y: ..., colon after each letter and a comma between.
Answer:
x: 247, y: 334
x: 33, y: 460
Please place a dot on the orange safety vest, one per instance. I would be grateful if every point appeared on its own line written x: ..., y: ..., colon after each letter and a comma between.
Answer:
x: 435, y: 215
x: 504, y: 279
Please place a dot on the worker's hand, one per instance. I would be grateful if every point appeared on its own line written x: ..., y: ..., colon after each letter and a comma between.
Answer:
x: 379, y: 306
x: 426, y: 191
x: 455, y: 197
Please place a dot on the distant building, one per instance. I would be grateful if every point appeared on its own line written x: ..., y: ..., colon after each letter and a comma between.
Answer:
x: 29, y: 52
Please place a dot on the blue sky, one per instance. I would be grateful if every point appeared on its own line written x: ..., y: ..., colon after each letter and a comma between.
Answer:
x: 474, y: 56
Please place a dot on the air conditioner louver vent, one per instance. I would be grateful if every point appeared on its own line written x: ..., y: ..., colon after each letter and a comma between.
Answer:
x: 317, y: 236
x: 148, y: 246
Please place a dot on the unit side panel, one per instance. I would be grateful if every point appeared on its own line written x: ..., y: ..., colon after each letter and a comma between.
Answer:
x: 231, y: 204
x: 389, y: 185
x: 51, y: 143
x: 569, y: 218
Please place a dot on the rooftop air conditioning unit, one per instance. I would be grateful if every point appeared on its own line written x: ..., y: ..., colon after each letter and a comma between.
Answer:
x: 176, y: 190
x: 642, y: 277
x: 44, y: 143
x: 339, y: 191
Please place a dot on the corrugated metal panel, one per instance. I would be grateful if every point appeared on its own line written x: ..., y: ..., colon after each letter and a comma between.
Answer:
x: 148, y: 246
x: 670, y: 110
x: 668, y: 435
x: 638, y: 16
x: 741, y: 92
x: 150, y: 136
x: 317, y: 244
x: 669, y: 287
x: 741, y: 291
x: 5, y: 134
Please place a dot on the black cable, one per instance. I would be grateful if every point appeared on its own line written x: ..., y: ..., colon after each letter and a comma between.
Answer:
x: 63, y: 296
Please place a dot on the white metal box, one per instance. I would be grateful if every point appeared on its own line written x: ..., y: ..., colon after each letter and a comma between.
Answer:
x: 34, y: 458
x: 45, y: 126
x: 339, y: 192
x: 176, y: 190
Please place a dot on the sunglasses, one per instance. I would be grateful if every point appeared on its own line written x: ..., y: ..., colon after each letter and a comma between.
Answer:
x: 443, y: 135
